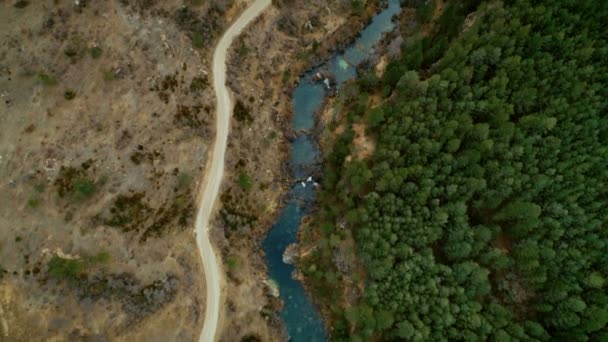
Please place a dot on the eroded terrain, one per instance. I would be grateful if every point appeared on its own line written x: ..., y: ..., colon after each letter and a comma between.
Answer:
x: 105, y: 123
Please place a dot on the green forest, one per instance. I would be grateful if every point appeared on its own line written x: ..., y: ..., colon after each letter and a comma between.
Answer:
x: 482, y: 213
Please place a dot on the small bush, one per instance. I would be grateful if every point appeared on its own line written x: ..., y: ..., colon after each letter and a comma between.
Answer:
x: 71, y: 52
x: 128, y: 212
x: 243, y: 50
x: 47, y: 79
x: 39, y: 187
x: 233, y: 262
x: 95, y: 52
x: 21, y: 4
x: 84, y: 188
x: 198, y: 84
x: 242, y: 113
x: 75, y: 48
x: 424, y: 11
x: 65, y: 268
x: 108, y: 75
x: 197, y: 40
x: 183, y: 180
x: 286, y: 76
x: 357, y: 7
x: 69, y: 94
x: 245, y: 181
x: 33, y: 202
x: 99, y: 258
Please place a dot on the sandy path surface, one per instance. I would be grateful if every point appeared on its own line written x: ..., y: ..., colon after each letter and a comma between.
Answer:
x: 213, y: 276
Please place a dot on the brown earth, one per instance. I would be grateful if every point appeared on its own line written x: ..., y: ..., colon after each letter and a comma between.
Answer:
x: 105, y: 121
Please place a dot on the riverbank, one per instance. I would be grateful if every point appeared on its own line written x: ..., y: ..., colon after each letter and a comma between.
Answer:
x: 260, y: 74
x: 308, y: 100
x: 331, y: 122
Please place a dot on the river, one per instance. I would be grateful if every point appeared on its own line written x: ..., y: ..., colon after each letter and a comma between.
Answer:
x: 301, y: 318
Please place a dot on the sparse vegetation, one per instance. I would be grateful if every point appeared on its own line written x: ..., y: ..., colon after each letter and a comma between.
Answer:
x: 108, y: 75
x: 99, y: 258
x: 62, y: 268
x: 424, y: 11
x: 236, y: 212
x: 183, y: 180
x: 243, y: 50
x: 357, y: 7
x: 197, y: 40
x: 232, y: 262
x: 95, y: 52
x: 72, y: 269
x: 242, y: 113
x: 181, y: 209
x: 33, y: 202
x: 190, y: 117
x: 84, y: 188
x: 47, y: 79
x: 74, y: 184
x: 286, y: 76
x: 39, y: 187
x: 128, y: 212
x: 198, y: 84
x: 21, y: 4
x: 69, y: 94
x: 245, y: 181
x: 141, y: 155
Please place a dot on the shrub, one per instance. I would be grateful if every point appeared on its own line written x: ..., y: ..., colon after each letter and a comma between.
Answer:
x: 245, y: 181
x: 108, y: 75
x: 198, y: 84
x: 233, y: 262
x: 243, y: 50
x: 183, y: 180
x: 65, y: 268
x: 33, y: 202
x: 39, y: 187
x: 99, y: 258
x: 242, y: 113
x: 424, y: 11
x: 357, y: 6
x: 47, y: 79
x: 84, y: 188
x: 96, y: 52
x: 69, y: 94
x: 197, y: 40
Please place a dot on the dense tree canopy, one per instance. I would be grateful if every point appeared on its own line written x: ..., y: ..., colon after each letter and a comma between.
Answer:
x: 482, y: 213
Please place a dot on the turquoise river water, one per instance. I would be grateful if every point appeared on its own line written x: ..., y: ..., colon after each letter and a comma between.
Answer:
x: 301, y: 318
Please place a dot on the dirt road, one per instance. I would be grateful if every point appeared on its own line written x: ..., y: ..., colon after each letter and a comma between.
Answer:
x: 213, y: 276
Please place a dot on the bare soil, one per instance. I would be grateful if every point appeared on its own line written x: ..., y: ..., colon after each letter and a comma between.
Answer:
x: 105, y: 118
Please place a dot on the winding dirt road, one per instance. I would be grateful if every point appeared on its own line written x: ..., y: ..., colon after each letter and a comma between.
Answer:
x: 213, y: 276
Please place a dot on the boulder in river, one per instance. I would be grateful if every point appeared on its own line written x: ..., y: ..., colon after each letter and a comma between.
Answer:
x: 272, y: 287
x: 291, y: 253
